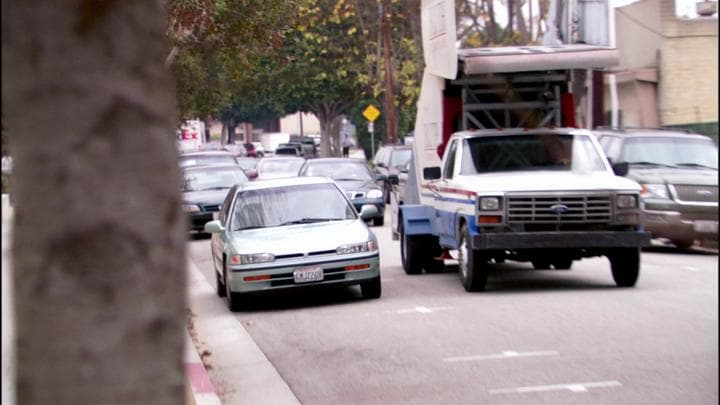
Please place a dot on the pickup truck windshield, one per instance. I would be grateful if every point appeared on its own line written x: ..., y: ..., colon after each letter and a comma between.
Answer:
x: 557, y: 152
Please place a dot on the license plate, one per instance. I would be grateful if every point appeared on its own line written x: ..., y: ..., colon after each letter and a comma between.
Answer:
x: 308, y: 274
x: 705, y: 226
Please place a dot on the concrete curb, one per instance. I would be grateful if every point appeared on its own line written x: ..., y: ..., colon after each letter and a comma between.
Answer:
x: 240, y: 370
x: 200, y: 389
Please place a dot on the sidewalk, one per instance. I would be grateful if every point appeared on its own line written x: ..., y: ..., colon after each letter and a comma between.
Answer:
x: 199, y: 389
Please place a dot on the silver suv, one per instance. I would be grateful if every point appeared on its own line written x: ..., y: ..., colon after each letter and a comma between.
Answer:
x: 678, y: 172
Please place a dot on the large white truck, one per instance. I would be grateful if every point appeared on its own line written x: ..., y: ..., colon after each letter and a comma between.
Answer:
x: 499, y: 171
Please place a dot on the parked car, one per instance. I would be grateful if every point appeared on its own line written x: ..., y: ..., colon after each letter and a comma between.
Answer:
x: 251, y: 150
x: 354, y: 178
x: 259, y: 149
x: 281, y: 166
x: 290, y: 148
x: 307, y: 143
x: 236, y: 149
x: 204, y: 188
x: 389, y: 160
x: 249, y: 165
x: 283, y: 234
x: 678, y: 172
x: 398, y: 185
x: 206, y: 158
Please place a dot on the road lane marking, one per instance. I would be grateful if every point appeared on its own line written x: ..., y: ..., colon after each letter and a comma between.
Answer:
x: 572, y: 387
x: 502, y: 355
x: 420, y: 310
x: 689, y: 268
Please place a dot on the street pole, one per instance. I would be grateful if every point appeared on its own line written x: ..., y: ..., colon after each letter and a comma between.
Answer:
x: 371, y: 129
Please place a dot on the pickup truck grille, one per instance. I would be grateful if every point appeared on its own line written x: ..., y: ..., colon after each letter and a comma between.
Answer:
x: 693, y: 193
x: 559, y: 209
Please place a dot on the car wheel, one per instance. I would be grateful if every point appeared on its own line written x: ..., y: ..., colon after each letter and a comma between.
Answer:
x: 371, y: 289
x: 233, y: 299
x: 562, y: 264
x: 625, y: 265
x: 540, y: 264
x: 473, y: 266
x: 219, y: 286
x: 409, y: 252
x: 682, y: 244
x: 379, y: 221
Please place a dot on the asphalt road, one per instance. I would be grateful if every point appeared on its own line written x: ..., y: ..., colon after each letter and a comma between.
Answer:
x: 533, y: 337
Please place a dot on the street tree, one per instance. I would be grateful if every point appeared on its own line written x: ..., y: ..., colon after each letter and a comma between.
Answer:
x: 98, y: 240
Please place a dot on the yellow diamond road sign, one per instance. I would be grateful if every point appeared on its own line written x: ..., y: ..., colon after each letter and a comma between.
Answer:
x: 371, y: 113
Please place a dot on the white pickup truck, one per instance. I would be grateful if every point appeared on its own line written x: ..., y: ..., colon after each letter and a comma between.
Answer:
x: 499, y: 171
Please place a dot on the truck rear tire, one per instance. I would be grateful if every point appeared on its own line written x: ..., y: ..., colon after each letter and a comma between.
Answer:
x: 473, y: 265
x: 625, y: 265
x: 419, y: 252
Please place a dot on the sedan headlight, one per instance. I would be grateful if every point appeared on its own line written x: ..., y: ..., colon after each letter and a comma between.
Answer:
x: 190, y: 208
x: 374, y: 194
x: 489, y: 203
x: 655, y: 191
x: 627, y: 201
x: 252, y: 258
x: 369, y: 246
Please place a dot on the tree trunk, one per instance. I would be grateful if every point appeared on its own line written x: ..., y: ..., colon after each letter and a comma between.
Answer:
x: 390, y: 113
x: 99, y: 235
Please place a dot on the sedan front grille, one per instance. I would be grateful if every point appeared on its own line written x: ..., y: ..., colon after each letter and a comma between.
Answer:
x: 693, y: 193
x: 559, y: 209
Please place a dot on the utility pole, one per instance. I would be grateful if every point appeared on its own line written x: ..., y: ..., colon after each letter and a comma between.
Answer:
x: 390, y: 113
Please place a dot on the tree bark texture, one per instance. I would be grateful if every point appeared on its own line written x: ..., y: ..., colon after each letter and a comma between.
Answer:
x: 99, y: 236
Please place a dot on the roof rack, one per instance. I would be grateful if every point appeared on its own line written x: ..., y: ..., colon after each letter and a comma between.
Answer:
x: 623, y: 129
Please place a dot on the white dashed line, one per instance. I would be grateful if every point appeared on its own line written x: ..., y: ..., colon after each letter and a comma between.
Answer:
x: 688, y: 268
x: 420, y: 310
x: 572, y: 387
x: 503, y: 355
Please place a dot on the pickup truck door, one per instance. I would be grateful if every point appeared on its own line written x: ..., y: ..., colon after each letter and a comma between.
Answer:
x: 445, y: 209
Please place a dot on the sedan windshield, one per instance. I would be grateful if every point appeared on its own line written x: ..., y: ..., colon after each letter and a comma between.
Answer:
x: 186, y: 161
x: 290, y: 205
x: 561, y: 152
x: 280, y: 166
x: 340, y: 171
x: 671, y: 151
x: 212, y: 179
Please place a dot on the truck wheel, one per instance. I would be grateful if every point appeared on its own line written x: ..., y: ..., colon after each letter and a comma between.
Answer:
x: 540, y: 264
x: 562, y: 264
x: 371, y: 289
x: 473, y: 265
x: 625, y: 265
x: 379, y: 221
x: 409, y: 252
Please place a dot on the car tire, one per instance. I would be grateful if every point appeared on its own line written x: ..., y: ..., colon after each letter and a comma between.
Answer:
x: 371, y: 289
x: 540, y: 264
x: 625, y: 266
x: 682, y: 244
x: 562, y: 264
x: 409, y: 252
x: 473, y: 266
x: 233, y: 299
x: 379, y: 221
x: 219, y: 286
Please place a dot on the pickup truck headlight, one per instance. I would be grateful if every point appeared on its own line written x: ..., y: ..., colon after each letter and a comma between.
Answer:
x: 190, y: 208
x: 252, y: 258
x: 374, y: 194
x: 369, y: 246
x: 655, y: 191
x: 489, y: 204
x: 627, y: 201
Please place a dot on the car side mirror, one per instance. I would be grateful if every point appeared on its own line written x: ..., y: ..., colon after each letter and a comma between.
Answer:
x: 214, y: 227
x: 393, y: 179
x: 368, y: 211
x: 621, y: 169
x: 431, y: 173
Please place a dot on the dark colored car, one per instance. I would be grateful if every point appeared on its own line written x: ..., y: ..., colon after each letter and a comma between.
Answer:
x: 206, y: 158
x: 354, y: 177
x: 678, y: 172
x: 204, y: 188
x: 290, y: 148
x: 389, y: 160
